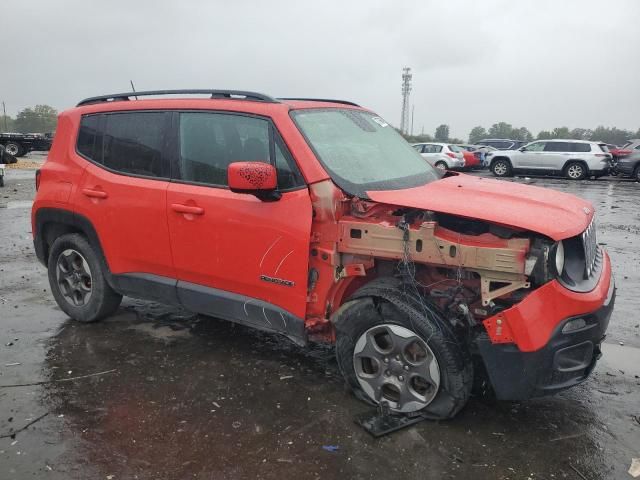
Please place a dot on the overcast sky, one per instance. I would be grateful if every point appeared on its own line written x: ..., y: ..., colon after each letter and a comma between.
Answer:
x: 532, y: 63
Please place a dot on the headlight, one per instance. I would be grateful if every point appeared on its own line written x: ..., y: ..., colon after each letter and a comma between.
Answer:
x: 558, y: 258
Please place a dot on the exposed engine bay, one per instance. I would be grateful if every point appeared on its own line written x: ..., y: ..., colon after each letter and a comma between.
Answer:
x: 469, y: 268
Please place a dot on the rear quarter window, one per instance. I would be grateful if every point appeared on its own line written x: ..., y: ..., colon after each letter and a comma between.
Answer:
x: 582, y: 147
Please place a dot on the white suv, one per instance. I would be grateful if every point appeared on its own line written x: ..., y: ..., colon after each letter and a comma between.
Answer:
x: 441, y: 155
x: 574, y: 159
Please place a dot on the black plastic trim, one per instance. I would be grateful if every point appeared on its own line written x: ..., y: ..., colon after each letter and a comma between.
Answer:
x: 517, y: 375
x: 241, y: 309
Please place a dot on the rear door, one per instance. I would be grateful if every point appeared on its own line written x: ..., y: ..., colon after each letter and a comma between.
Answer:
x: 238, y: 257
x: 555, y: 155
x: 123, y: 194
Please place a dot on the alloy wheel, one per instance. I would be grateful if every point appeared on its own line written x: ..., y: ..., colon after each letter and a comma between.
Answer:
x: 74, y: 277
x: 575, y: 171
x: 396, y: 366
x: 500, y: 168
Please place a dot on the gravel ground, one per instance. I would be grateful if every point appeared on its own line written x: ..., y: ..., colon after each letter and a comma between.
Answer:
x: 186, y: 396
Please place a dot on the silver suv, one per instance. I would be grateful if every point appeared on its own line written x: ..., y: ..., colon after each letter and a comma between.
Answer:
x: 574, y: 159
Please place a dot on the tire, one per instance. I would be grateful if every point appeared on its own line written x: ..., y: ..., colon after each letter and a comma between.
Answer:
x: 441, y: 165
x: 575, y: 171
x: 77, y: 280
x: 14, y: 149
x: 501, y: 167
x: 440, y: 396
x: 1, y: 180
x: 636, y: 174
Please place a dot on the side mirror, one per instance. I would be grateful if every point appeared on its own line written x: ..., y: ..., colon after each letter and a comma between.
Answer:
x: 522, y: 149
x: 256, y: 178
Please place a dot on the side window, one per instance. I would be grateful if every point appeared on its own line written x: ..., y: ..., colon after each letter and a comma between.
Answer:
x: 579, y: 147
x: 536, y: 147
x: 133, y: 143
x: 557, y: 147
x: 418, y: 148
x: 209, y: 142
x: 87, y: 136
x: 637, y: 147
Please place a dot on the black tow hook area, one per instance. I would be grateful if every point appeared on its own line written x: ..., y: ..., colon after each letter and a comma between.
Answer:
x: 381, y: 421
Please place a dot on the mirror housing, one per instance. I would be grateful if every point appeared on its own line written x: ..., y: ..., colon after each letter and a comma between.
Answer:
x: 256, y: 178
x: 522, y: 149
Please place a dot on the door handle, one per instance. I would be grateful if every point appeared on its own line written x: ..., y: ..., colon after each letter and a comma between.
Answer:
x: 191, y: 209
x: 94, y: 193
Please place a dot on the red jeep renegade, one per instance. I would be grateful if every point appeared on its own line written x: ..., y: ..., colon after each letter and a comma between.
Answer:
x: 315, y: 219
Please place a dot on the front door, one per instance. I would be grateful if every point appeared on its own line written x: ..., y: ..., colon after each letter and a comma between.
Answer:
x: 530, y: 157
x: 238, y: 257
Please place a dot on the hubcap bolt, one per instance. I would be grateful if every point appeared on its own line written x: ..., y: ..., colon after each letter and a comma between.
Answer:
x: 386, y: 360
x: 406, y: 367
x: 401, y: 378
x: 387, y: 373
x: 397, y: 357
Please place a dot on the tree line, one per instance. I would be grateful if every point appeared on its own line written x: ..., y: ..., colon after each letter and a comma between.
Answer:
x: 43, y: 119
x: 39, y: 119
x: 611, y: 135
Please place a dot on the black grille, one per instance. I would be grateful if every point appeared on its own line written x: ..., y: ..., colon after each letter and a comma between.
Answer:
x: 590, y: 245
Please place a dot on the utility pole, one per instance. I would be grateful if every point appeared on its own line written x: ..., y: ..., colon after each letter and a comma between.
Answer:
x: 4, y: 115
x: 413, y: 110
x: 406, y: 91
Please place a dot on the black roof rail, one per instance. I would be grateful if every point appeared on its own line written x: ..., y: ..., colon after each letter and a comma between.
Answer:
x: 239, y: 94
x: 327, y: 100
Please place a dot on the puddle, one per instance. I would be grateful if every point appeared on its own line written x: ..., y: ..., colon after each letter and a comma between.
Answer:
x: 619, y: 357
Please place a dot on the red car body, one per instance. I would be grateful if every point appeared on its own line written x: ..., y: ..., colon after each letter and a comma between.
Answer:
x: 470, y: 160
x: 242, y: 246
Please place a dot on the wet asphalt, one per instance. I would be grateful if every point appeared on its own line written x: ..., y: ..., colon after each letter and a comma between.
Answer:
x: 173, y: 395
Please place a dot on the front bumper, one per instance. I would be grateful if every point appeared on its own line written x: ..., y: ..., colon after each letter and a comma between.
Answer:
x: 566, y: 360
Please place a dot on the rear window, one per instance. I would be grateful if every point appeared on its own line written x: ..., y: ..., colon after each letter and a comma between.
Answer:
x: 130, y: 143
x: 604, y: 147
x: 454, y: 148
x: 582, y: 147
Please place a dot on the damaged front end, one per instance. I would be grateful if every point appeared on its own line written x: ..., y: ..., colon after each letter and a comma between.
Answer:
x: 479, y: 274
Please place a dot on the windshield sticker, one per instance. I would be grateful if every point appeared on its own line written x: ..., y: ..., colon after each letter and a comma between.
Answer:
x: 380, y: 121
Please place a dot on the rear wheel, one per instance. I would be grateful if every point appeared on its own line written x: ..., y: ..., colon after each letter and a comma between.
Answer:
x: 14, y: 149
x: 408, y: 361
x: 636, y: 174
x: 575, y: 171
x: 441, y: 165
x: 501, y: 168
x: 77, y: 280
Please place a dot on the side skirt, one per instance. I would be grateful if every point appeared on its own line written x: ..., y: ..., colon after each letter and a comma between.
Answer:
x: 213, y: 302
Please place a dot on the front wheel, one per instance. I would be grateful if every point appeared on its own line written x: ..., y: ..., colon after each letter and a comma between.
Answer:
x: 636, y: 174
x: 501, y: 168
x: 404, y: 359
x: 77, y: 280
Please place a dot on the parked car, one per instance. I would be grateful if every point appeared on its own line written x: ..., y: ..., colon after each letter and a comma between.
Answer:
x: 627, y: 149
x: 477, y: 151
x: 502, y: 143
x: 316, y: 220
x: 574, y: 159
x: 19, y: 144
x: 629, y: 166
x: 443, y: 156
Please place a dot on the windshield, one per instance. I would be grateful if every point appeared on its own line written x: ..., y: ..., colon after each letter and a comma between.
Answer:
x: 361, y: 152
